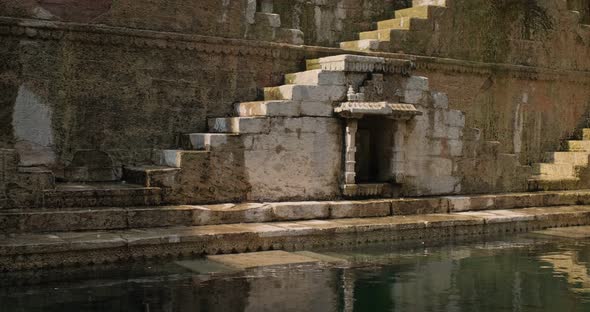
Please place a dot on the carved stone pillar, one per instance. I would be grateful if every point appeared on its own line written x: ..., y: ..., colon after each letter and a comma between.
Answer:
x: 350, y: 151
x: 398, y: 158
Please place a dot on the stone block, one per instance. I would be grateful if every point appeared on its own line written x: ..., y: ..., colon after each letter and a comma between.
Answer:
x: 291, y: 36
x: 439, y: 166
x: 317, y: 77
x: 360, y: 45
x: 430, y: 185
x: 360, y: 209
x: 440, y: 100
x: 455, y: 148
x: 416, y: 83
x: 512, y: 201
x: 268, y: 109
x: 458, y: 204
x: 300, y: 210
x: 263, y: 259
x: 268, y: 19
x: 419, y: 206
x: 554, y: 170
x: 239, y: 125
x: 574, y: 158
x: 151, y: 176
x: 231, y: 213
x: 578, y: 146
x: 455, y: 118
x: 414, y: 96
x: 210, y: 141
x: 306, y: 93
x: 317, y: 109
x: 160, y: 216
x: 455, y: 133
x: 174, y: 158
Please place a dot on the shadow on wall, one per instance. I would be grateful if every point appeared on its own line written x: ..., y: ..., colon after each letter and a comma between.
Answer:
x: 64, y: 10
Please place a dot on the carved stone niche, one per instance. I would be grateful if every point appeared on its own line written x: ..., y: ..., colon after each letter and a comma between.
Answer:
x: 374, y: 145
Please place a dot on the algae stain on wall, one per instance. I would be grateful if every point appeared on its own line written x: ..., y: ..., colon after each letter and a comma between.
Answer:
x: 31, y: 122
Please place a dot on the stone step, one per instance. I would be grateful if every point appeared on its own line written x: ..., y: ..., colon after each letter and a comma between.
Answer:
x: 268, y: 109
x: 210, y: 141
x: 284, y: 109
x: 176, y: 158
x: 306, y: 93
x: 586, y: 134
x: 574, y: 158
x: 578, y: 146
x: 113, y: 218
x: 383, y: 35
x: 69, y: 195
x: 36, y: 251
x: 423, y: 11
x: 150, y: 176
x: 361, y: 45
x: 404, y: 23
x: 92, y: 174
x: 290, y: 36
x: 270, y: 20
x: 562, y: 170
x: 316, y: 77
x: 38, y: 178
x: 249, y: 125
x: 544, y: 183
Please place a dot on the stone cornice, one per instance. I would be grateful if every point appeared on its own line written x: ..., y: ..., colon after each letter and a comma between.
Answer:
x: 447, y: 65
x: 119, y: 36
x: 107, y: 35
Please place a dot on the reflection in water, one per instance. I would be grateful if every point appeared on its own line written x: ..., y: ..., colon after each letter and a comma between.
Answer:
x: 566, y: 264
x: 523, y: 274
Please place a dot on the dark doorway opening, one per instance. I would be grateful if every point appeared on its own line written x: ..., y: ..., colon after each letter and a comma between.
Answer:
x: 374, y: 141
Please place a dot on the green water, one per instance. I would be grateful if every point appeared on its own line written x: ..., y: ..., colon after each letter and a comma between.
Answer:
x: 524, y: 273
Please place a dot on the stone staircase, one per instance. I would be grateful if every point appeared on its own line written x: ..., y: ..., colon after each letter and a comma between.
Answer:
x: 563, y: 170
x: 408, y: 26
x: 305, y: 94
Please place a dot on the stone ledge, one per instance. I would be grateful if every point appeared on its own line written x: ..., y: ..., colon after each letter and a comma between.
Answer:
x: 23, y: 252
x: 114, y: 218
x: 52, y: 30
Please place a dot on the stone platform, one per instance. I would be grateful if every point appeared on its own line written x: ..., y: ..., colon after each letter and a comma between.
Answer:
x: 34, y: 251
x: 40, y: 220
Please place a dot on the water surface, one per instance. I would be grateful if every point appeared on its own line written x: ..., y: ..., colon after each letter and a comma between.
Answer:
x: 523, y: 273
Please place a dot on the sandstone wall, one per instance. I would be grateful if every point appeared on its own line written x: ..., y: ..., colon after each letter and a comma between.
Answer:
x: 76, y: 89
x: 67, y: 88
x: 324, y: 22
x: 527, y: 110
x: 544, y: 33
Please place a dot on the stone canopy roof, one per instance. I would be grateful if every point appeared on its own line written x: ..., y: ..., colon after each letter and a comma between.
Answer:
x: 386, y: 109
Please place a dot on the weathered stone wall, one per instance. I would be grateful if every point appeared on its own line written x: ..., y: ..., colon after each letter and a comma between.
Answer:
x: 323, y: 22
x: 542, y: 33
x: 124, y: 93
x: 529, y: 111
